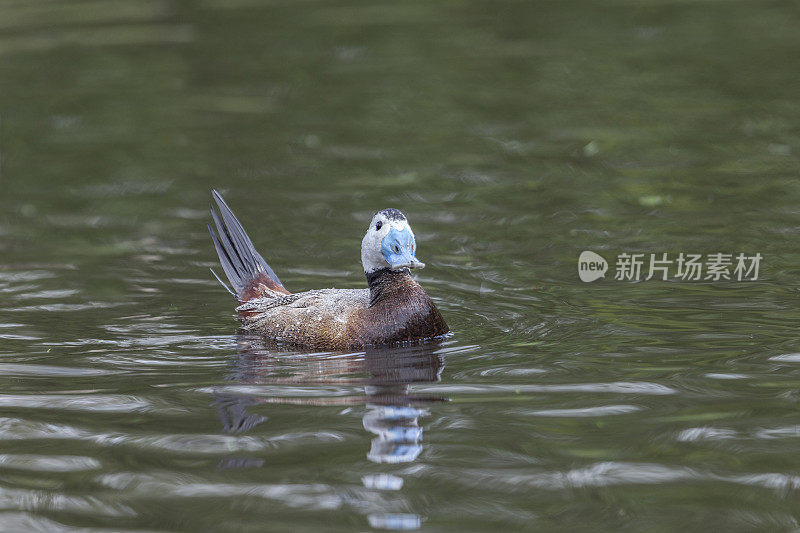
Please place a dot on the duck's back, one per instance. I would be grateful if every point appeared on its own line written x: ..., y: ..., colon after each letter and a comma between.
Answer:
x: 312, y: 318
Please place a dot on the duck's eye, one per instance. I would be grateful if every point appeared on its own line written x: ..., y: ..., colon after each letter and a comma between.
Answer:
x: 396, y: 249
x: 378, y: 226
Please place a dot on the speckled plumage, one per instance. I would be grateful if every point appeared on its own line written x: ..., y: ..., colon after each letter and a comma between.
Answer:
x: 393, y: 309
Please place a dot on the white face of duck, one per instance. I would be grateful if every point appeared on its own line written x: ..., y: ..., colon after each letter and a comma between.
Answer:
x: 389, y: 243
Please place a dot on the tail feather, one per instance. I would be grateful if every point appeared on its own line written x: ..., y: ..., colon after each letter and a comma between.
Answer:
x: 243, y: 265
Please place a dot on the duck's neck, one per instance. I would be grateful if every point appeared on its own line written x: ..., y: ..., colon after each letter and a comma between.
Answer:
x: 386, y: 282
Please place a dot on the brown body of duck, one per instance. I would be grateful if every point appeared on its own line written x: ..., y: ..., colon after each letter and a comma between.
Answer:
x: 393, y: 309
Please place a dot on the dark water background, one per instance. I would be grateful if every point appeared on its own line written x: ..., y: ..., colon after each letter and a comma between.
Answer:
x: 514, y: 135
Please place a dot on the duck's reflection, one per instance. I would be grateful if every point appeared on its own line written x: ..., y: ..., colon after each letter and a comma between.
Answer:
x: 393, y: 410
x: 386, y: 374
x: 393, y: 413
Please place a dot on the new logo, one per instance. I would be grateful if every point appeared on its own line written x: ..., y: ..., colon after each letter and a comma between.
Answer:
x: 591, y: 266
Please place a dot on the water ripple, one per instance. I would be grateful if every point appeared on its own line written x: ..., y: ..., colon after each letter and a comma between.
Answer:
x: 49, y: 463
x: 705, y: 433
x: 44, y: 501
x: 787, y: 358
x: 605, y: 410
x: 19, y: 369
x: 312, y: 496
x: 77, y: 402
x: 214, y: 444
x: 620, y: 387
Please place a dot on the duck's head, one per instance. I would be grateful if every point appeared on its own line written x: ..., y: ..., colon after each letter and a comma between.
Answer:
x: 389, y: 243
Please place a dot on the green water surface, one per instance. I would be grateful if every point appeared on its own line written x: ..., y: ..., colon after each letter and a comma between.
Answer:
x: 514, y: 135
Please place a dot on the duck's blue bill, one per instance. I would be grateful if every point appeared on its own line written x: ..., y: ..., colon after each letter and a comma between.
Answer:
x: 399, y: 249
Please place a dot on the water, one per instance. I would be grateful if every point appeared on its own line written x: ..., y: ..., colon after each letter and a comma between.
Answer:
x: 514, y: 136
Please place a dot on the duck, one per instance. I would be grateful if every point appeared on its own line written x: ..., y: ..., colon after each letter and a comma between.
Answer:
x: 394, y: 309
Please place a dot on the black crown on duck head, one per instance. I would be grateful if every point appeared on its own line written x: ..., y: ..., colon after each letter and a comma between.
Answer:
x: 392, y: 214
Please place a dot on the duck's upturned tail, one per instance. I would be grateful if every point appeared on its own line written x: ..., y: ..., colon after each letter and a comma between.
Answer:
x: 247, y: 271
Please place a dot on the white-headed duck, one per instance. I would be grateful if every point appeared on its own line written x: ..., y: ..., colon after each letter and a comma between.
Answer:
x: 393, y: 309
